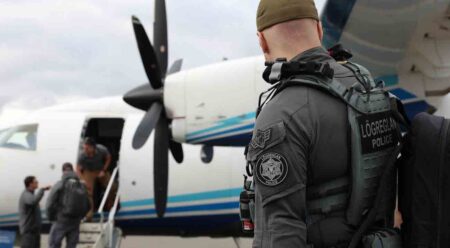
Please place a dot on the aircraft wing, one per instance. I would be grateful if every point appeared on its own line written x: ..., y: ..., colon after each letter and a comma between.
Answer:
x: 405, y: 43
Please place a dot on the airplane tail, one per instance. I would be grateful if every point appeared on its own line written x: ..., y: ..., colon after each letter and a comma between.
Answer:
x: 404, y: 43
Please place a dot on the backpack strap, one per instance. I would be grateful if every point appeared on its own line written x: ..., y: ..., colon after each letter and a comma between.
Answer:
x: 399, y: 113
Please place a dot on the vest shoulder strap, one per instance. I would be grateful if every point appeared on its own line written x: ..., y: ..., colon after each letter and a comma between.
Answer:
x: 331, y: 86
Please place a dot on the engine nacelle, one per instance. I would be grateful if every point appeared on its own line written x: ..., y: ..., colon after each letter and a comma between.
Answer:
x: 215, y: 104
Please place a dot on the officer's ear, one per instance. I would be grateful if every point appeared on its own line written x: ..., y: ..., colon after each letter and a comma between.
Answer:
x: 320, y: 30
x: 263, y: 42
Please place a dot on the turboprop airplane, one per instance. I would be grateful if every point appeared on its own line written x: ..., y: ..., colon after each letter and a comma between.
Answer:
x: 403, y: 42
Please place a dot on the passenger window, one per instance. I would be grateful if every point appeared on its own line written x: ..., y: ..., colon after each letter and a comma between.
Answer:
x: 20, y: 137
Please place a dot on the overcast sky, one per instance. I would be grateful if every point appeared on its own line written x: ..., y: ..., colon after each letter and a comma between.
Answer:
x: 54, y: 51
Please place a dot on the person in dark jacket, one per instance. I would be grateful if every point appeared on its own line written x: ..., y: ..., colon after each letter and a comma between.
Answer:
x: 64, y: 226
x: 30, y: 219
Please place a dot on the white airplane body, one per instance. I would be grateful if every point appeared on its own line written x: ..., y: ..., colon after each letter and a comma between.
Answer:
x: 58, y: 136
x: 215, y: 106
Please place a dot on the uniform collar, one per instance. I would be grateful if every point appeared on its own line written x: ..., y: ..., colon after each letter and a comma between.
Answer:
x: 318, y: 54
x: 69, y: 174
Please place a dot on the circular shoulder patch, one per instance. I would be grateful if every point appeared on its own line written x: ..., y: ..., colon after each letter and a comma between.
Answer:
x: 271, y: 169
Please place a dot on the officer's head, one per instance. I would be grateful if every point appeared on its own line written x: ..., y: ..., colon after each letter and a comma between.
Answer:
x: 89, y: 145
x: 287, y: 27
x: 67, y: 167
x: 31, y: 183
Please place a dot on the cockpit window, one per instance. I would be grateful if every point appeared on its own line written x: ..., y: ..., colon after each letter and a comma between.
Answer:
x: 20, y: 137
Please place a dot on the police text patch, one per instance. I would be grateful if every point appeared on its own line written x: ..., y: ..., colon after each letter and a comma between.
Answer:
x: 271, y: 169
x: 378, y: 132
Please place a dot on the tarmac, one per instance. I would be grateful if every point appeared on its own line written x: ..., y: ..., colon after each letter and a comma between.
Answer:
x: 175, y: 242
x: 199, y: 242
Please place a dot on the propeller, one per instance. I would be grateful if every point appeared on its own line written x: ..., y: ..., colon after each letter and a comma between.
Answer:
x: 149, y: 97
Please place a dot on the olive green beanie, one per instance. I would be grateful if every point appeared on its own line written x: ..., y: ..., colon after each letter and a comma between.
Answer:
x: 271, y: 12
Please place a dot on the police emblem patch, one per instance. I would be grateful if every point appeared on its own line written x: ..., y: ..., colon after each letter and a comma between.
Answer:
x: 262, y: 136
x: 271, y: 169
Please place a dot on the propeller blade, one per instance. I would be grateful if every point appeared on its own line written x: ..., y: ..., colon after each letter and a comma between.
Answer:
x: 160, y: 35
x: 161, y: 164
x: 177, y: 151
x: 176, y: 66
x: 148, y: 55
x: 147, y: 125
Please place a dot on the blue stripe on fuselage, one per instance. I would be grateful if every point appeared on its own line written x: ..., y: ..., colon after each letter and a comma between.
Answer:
x: 239, y: 140
x: 249, y: 126
x: 230, y: 205
x: 233, y: 121
x: 9, y: 216
x: 403, y: 94
x: 208, y: 195
x: 194, y: 208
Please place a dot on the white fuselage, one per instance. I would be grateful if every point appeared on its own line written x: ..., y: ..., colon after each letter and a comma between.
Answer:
x: 195, y: 188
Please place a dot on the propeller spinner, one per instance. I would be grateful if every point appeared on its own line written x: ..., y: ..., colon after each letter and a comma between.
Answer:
x: 150, y: 99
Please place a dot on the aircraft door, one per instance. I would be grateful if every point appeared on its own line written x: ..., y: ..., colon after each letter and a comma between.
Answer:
x: 106, y: 132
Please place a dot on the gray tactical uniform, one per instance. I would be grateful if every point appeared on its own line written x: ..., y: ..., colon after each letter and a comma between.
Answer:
x: 300, y: 139
x: 64, y: 226
x: 30, y: 218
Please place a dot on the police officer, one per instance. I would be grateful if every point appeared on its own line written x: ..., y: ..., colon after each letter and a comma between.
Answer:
x: 30, y: 213
x: 64, y: 225
x: 300, y: 151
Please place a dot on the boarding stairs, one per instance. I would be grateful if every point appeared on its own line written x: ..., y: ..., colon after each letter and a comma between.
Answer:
x: 103, y: 233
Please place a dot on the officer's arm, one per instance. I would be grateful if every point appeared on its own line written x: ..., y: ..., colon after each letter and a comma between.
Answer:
x: 54, y: 194
x: 33, y: 200
x: 280, y: 181
x: 53, y: 199
x: 286, y: 220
